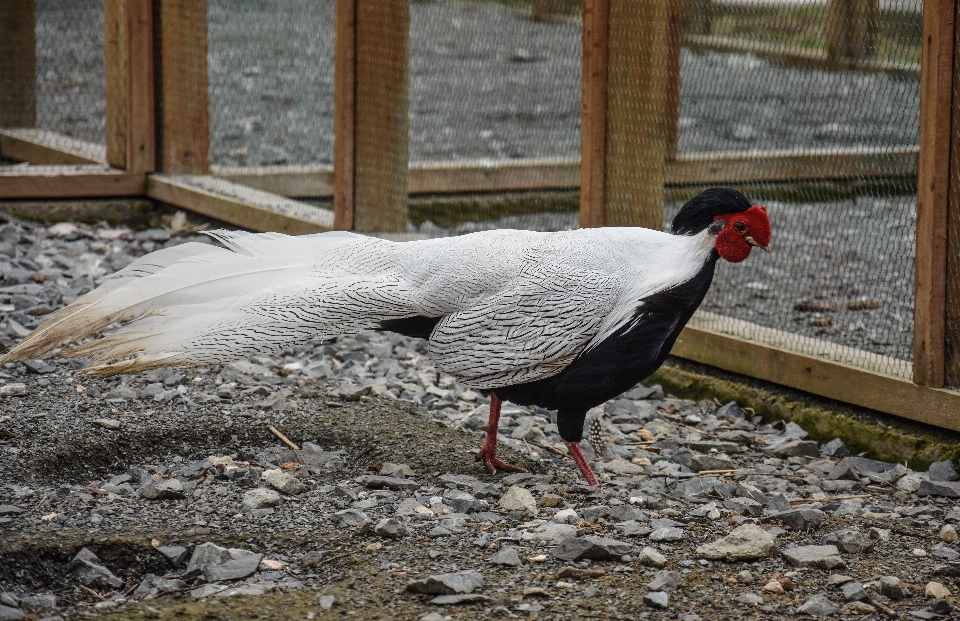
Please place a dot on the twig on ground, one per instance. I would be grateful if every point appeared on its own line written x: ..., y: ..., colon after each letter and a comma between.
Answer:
x: 92, y: 592
x: 729, y: 471
x: 286, y: 441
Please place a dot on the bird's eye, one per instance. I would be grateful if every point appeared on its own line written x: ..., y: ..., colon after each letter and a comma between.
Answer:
x: 740, y: 226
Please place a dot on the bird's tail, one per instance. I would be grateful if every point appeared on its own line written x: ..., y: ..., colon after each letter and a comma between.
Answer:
x: 199, y: 304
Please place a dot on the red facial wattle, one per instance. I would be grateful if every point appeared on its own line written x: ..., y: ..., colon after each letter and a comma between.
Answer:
x: 741, y: 232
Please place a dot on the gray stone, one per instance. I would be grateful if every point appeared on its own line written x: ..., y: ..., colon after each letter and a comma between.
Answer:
x: 354, y: 518
x: 594, y: 513
x: 650, y: 557
x: 596, y: 548
x: 260, y: 498
x: 326, y: 602
x: 175, y: 554
x: 750, y: 599
x: 11, y: 510
x: 622, y: 466
x: 699, y: 463
x: 818, y: 606
x: 372, y: 481
x: 946, y: 489
x: 849, y: 540
x: 670, y: 533
x: 799, y: 518
x: 519, y: 499
x: 215, y: 563
x: 16, y: 389
x: 665, y: 581
x: 108, y: 423
x: 8, y: 613
x: 396, y: 470
x: 447, y: 584
x: 283, y: 482
x: 453, y: 600
x: 843, y: 471
x: 745, y: 543
x: 797, y: 448
x: 390, y: 527
x: 943, y: 471
x: 86, y: 567
x: 853, y: 592
x: 641, y: 392
x: 507, y: 555
x: 747, y: 507
x: 890, y: 587
x: 823, y: 557
x: 626, y: 513
x: 731, y: 409
x: 656, y: 599
x: 834, y: 448
x: 154, y: 586
x: 162, y: 489
x: 459, y: 501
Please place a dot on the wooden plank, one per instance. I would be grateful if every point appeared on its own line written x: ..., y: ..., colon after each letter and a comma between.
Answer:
x: 933, y: 180
x: 732, y: 167
x: 636, y: 96
x: 345, y: 85
x: 674, y: 35
x: 951, y: 361
x: 238, y: 205
x: 23, y: 182
x: 47, y: 148
x: 593, y: 124
x: 835, y: 380
x: 851, y: 29
x: 696, y: 16
x: 184, y: 132
x: 381, y: 115
x: 804, y: 56
x: 18, y: 63
x: 129, y: 84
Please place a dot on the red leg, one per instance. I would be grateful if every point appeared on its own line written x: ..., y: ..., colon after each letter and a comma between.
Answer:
x: 488, y: 454
x: 577, y: 453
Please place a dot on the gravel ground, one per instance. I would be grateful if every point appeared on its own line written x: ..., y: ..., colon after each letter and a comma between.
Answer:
x: 166, y: 494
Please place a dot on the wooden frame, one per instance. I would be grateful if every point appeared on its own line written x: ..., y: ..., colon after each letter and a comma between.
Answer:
x: 18, y: 63
x: 26, y: 182
x: 40, y: 146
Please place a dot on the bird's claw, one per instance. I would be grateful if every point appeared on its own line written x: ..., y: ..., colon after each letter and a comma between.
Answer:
x: 493, y: 463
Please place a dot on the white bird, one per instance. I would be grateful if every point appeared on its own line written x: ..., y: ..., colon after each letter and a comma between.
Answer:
x: 562, y: 320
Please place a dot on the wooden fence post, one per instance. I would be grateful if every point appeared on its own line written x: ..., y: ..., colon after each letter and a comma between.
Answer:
x: 183, y: 132
x: 129, y: 84
x: 18, y: 63
x: 674, y: 37
x: 934, y: 213
x: 851, y: 29
x: 696, y: 16
x: 371, y: 153
x: 623, y: 127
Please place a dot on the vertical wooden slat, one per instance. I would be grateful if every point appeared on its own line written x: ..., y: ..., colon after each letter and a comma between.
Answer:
x: 674, y: 34
x: 851, y: 29
x: 18, y: 63
x: 183, y: 132
x: 344, y: 90
x: 952, y: 293
x: 593, y: 125
x: 696, y: 16
x: 381, y: 115
x: 636, y: 94
x: 933, y: 180
x: 129, y: 84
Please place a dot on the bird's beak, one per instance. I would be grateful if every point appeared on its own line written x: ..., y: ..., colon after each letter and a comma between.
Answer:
x: 750, y: 240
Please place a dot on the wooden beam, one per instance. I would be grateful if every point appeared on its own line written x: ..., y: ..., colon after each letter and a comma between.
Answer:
x: 756, y: 352
x: 593, y: 113
x: 951, y: 349
x: 18, y: 63
x: 344, y: 108
x: 24, y: 182
x: 47, y: 148
x: 129, y: 84
x: 851, y: 29
x: 731, y: 167
x: 672, y: 111
x: 239, y: 205
x: 183, y: 134
x: 804, y: 56
x: 933, y: 181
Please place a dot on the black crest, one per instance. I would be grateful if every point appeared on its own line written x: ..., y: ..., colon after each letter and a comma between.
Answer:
x: 700, y: 210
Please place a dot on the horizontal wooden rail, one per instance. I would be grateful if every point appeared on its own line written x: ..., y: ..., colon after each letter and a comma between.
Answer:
x: 877, y: 382
x: 798, y: 55
x: 238, y: 204
x: 47, y: 148
x: 29, y: 182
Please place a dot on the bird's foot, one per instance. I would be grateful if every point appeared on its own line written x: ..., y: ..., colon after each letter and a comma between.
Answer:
x: 488, y: 455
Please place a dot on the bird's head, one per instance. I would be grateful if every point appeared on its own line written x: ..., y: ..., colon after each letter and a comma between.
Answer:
x: 738, y: 225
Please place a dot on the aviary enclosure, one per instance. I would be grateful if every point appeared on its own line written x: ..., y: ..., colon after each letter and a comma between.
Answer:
x: 413, y: 119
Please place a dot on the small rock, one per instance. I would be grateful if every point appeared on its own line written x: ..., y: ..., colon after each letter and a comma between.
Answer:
x: 948, y: 533
x: 551, y: 500
x: 453, y: 600
x: 890, y: 587
x: 372, y: 481
x: 596, y: 548
x: 175, y: 554
x: 670, y: 533
x: 650, y: 557
x: 699, y: 463
x: 745, y: 577
x: 283, y: 482
x: 750, y: 599
x: 657, y: 599
x: 622, y: 466
x: 355, y: 519
x: 507, y: 555
x: 945, y: 489
x: 396, y: 470
x: 834, y: 448
x: 936, y: 590
x: 162, y: 489
x: 943, y: 471
x: 390, y: 527
x: 824, y: 557
x: 17, y: 389
x: 838, y: 579
x: 745, y: 543
x: 108, y: 423
x: 797, y: 448
x: 849, y: 540
x: 853, y: 591
x: 519, y: 499
x: 326, y: 602
x: 8, y: 613
x: 774, y: 587
x: 818, y: 606
x: 87, y: 568
x: 799, y: 518
x: 216, y: 563
x: 260, y: 498
x: 666, y: 581
x: 446, y: 584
